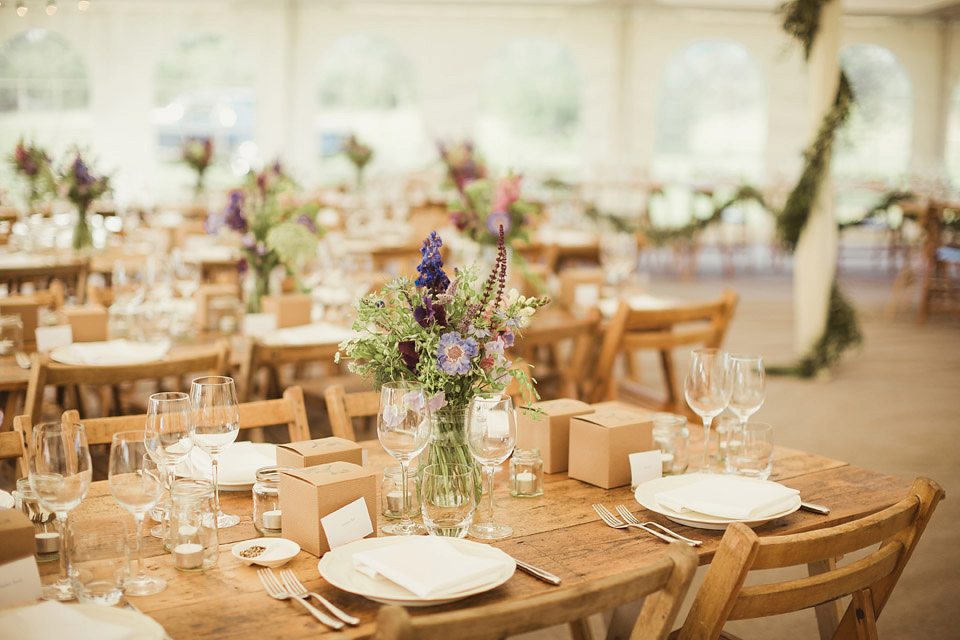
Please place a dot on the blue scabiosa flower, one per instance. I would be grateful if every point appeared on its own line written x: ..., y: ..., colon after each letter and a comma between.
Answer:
x: 454, y: 353
x: 431, y: 266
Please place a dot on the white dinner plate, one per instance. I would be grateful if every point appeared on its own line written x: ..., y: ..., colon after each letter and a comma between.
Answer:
x: 241, y: 479
x: 137, y: 625
x: 110, y: 353
x: 336, y: 567
x: 6, y: 500
x: 646, y: 495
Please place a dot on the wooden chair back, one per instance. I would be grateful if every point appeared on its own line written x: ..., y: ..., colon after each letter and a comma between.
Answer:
x: 71, y: 274
x: 44, y: 372
x: 663, y: 330
x: 13, y: 446
x: 542, y: 345
x: 343, y: 407
x: 869, y: 580
x: 270, y: 359
x: 663, y: 583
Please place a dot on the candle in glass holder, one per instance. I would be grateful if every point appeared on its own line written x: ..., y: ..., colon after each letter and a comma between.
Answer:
x: 526, y: 473
x: 272, y: 519
x: 392, y: 493
x: 188, y: 555
x: 48, y: 542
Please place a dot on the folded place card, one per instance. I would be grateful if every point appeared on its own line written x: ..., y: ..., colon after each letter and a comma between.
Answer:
x: 645, y: 466
x: 52, y: 337
x: 345, y: 525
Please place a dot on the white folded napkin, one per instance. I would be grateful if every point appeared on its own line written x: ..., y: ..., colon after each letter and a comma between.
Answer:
x: 6, y: 500
x: 118, y: 352
x: 428, y: 566
x: 318, y: 333
x: 51, y: 619
x: 238, y: 462
x: 729, y: 497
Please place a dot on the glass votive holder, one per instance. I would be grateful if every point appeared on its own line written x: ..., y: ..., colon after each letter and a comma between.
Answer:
x: 193, y: 525
x: 672, y: 437
x: 44, y: 527
x: 526, y: 473
x: 266, y: 501
x: 391, y: 494
x: 11, y: 335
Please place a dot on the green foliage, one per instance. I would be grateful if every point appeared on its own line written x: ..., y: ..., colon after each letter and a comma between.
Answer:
x: 801, y: 19
x: 890, y: 199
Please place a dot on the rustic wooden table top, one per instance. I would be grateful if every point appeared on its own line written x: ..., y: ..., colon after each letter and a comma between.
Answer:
x: 557, y: 531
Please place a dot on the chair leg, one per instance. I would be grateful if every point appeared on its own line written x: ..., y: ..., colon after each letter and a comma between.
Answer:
x: 866, y: 624
x: 828, y: 613
x: 580, y: 629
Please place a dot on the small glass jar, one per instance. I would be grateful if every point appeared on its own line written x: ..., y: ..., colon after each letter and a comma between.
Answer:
x: 266, y: 501
x: 44, y: 527
x: 193, y: 525
x: 526, y: 473
x: 672, y: 437
x: 391, y: 496
x: 11, y: 335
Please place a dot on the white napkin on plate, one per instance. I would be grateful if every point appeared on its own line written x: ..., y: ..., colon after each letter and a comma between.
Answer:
x: 318, y: 333
x: 428, y: 566
x: 238, y: 462
x: 50, y: 619
x: 6, y: 500
x: 730, y: 497
x: 118, y: 352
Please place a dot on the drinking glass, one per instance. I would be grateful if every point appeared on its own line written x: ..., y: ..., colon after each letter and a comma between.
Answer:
x: 752, y: 455
x: 403, y: 426
x: 618, y: 255
x: 707, y: 390
x: 747, y: 385
x: 448, y: 500
x: 99, y: 560
x: 59, y: 472
x: 169, y: 436
x: 216, y: 423
x: 491, y: 432
x: 135, y: 483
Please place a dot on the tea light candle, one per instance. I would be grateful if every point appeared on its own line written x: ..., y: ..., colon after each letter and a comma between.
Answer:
x: 526, y: 483
x: 395, y: 501
x: 667, y: 460
x: 188, y: 555
x: 271, y: 519
x: 48, y: 542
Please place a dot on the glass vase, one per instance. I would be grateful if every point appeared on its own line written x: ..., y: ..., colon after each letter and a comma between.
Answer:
x: 82, y: 238
x: 258, y: 286
x: 448, y: 444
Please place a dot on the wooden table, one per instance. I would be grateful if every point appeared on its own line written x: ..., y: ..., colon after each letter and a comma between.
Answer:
x: 558, y: 531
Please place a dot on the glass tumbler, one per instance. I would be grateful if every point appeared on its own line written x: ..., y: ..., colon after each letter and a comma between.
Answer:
x: 752, y: 454
x: 448, y: 500
x: 194, y: 541
x: 99, y: 560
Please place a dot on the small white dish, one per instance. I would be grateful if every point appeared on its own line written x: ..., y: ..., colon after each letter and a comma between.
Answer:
x: 277, y: 552
x: 6, y: 500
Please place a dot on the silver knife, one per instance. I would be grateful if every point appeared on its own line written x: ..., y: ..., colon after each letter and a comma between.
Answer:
x: 815, y: 508
x: 537, y: 572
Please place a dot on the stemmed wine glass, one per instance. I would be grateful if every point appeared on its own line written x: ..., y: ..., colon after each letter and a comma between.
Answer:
x: 59, y: 472
x: 492, y: 432
x: 216, y: 423
x: 403, y: 426
x: 748, y: 385
x: 707, y: 390
x: 169, y: 435
x: 618, y: 255
x: 135, y: 483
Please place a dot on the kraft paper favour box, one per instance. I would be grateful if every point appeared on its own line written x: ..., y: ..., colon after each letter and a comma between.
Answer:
x: 549, y: 430
x: 310, y: 453
x: 291, y: 310
x: 307, y: 495
x: 19, y: 577
x: 589, y: 280
x: 601, y: 441
x: 89, y: 323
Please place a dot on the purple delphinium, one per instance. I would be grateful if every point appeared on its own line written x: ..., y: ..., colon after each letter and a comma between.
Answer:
x: 429, y: 314
x: 454, y: 353
x: 431, y: 266
x: 233, y: 216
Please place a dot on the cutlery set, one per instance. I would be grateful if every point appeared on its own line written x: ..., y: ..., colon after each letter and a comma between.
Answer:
x: 630, y: 520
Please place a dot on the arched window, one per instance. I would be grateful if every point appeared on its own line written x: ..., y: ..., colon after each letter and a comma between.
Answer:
x: 875, y: 142
x: 952, y: 151
x: 366, y: 87
x: 44, y: 93
x: 530, y: 107
x: 712, y: 115
x: 204, y: 89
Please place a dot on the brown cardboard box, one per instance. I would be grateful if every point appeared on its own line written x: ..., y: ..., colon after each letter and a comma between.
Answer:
x: 28, y: 308
x: 310, y: 453
x: 17, y: 534
x: 19, y: 576
x: 89, y: 322
x: 290, y: 310
x: 549, y: 431
x: 572, y: 279
x: 306, y: 495
x: 218, y: 307
x: 600, y: 443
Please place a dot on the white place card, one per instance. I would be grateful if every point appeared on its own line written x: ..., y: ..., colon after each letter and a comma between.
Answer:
x: 257, y: 325
x: 19, y: 582
x: 645, y: 466
x: 586, y: 295
x: 347, y: 524
x: 52, y: 337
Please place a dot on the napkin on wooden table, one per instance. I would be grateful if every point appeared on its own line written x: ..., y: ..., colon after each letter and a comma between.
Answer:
x: 51, y: 619
x: 428, y: 566
x: 317, y: 333
x: 119, y: 352
x: 238, y: 462
x: 729, y: 497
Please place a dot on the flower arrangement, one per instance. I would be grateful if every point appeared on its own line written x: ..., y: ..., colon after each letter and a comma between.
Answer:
x: 463, y: 164
x: 275, y: 229
x: 485, y: 208
x: 359, y: 154
x: 81, y: 187
x: 33, y: 164
x: 197, y: 153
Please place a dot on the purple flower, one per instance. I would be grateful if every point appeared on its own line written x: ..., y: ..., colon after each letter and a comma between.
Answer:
x: 507, y: 336
x: 431, y: 266
x: 430, y: 314
x: 305, y: 220
x: 248, y: 241
x: 243, y: 266
x: 233, y: 216
x: 437, y: 401
x: 499, y: 219
x: 454, y: 353
x: 409, y: 355
x: 393, y: 415
x: 494, y: 347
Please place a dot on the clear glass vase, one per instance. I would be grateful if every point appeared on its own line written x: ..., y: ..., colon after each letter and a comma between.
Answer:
x: 258, y: 286
x: 448, y: 444
x: 82, y: 237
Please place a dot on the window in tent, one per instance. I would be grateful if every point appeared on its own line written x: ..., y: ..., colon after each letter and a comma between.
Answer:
x: 530, y: 108
x: 366, y: 87
x: 952, y: 151
x: 204, y: 88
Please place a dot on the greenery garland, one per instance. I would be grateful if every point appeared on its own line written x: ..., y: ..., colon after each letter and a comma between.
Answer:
x: 893, y: 197
x: 801, y: 19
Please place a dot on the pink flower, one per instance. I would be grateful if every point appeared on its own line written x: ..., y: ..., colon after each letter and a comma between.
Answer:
x: 506, y: 193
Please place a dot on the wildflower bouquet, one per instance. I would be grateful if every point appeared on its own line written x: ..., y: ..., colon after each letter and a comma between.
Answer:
x: 450, y: 335
x: 33, y: 164
x: 81, y: 188
x: 198, y: 155
x: 463, y: 164
x: 358, y: 154
x: 485, y: 208
x: 276, y: 229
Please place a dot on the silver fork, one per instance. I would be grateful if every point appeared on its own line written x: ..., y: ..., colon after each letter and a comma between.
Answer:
x: 615, y: 522
x: 632, y: 519
x: 276, y: 590
x: 297, y: 589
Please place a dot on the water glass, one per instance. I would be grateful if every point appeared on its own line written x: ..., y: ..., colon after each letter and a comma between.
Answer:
x: 99, y: 560
x: 752, y: 455
x: 447, y: 499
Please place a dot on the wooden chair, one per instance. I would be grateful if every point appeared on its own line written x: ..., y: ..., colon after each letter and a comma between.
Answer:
x: 868, y: 580
x: 72, y: 274
x: 542, y: 343
x: 662, y: 330
x: 13, y: 446
x: 271, y: 359
x: 43, y: 372
x: 343, y: 407
x: 664, y: 584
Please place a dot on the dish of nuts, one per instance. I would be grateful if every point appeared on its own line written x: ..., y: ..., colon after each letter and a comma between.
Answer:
x: 253, y: 551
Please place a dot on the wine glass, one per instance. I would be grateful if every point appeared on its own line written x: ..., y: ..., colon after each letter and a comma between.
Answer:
x: 618, y: 255
x: 59, y: 472
x: 492, y: 432
x: 135, y: 483
x: 748, y: 385
x: 707, y: 389
x: 169, y: 436
x: 216, y: 423
x: 403, y: 426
